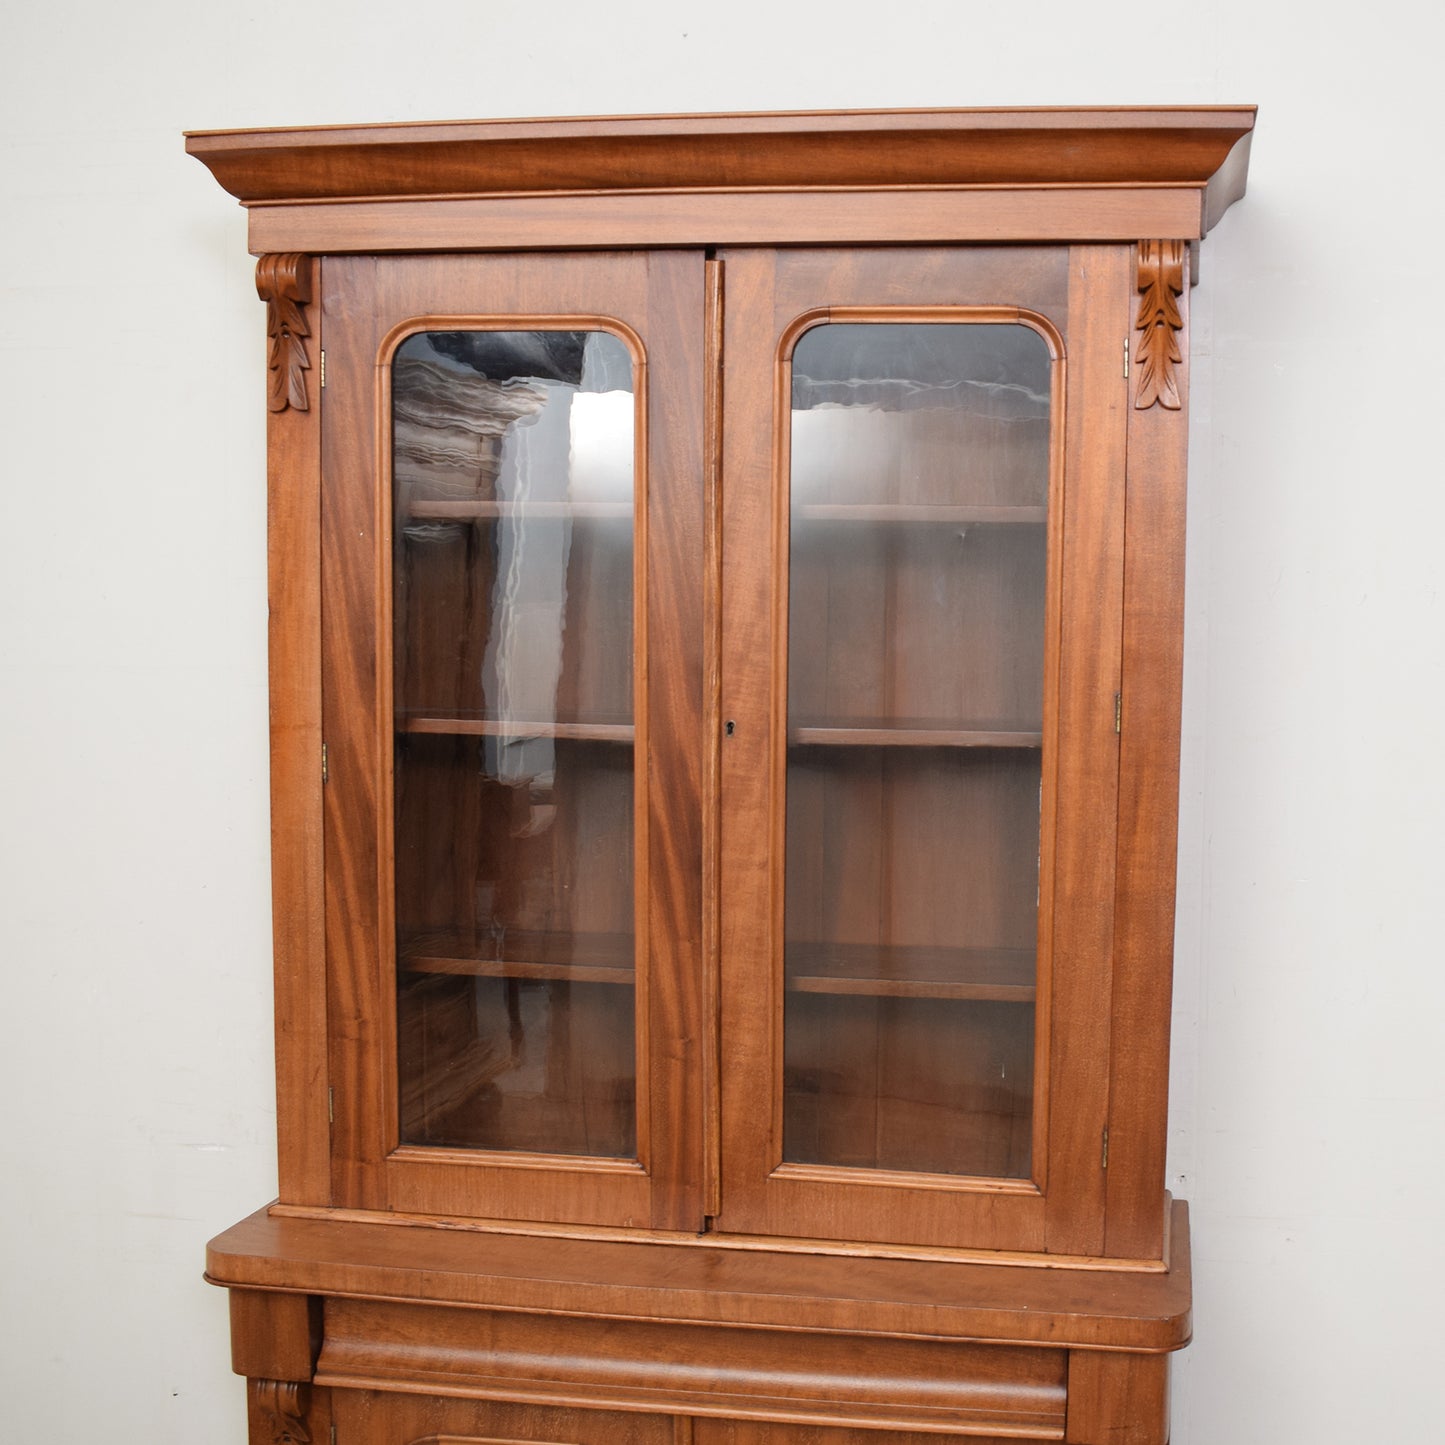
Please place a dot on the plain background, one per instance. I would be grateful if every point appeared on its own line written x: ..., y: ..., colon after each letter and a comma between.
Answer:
x: 134, y: 911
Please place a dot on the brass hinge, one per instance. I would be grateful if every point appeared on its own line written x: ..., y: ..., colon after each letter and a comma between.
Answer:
x: 1104, y: 1159
x: 333, y: 1432
x: 325, y: 765
x: 1126, y: 363
x: 331, y: 1106
x: 323, y: 367
x: 1118, y: 712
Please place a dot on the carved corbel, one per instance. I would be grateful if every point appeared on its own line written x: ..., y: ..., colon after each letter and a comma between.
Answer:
x: 284, y: 284
x: 278, y: 1412
x: 1162, y: 275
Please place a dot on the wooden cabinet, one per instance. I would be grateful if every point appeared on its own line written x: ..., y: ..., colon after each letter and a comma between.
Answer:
x: 726, y: 621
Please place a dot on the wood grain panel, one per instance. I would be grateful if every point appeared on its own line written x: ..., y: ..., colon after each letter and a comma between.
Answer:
x: 695, y: 1370
x: 729, y: 219
x: 293, y: 586
x: 762, y: 1432
x: 1148, y: 815
x: 1041, y: 145
x: 275, y: 1336
x: 1083, y: 774
x: 692, y: 1279
x: 1118, y: 1399
x: 674, y: 762
x: 360, y: 1008
x: 373, y: 1417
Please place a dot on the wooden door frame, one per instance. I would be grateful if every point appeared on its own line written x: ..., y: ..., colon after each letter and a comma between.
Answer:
x: 371, y: 303
x: 1061, y: 1211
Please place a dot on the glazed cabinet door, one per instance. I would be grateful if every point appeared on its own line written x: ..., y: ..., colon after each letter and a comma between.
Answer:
x: 512, y: 696
x: 923, y: 466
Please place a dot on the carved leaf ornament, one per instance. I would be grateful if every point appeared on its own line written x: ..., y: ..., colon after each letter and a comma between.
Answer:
x: 284, y: 284
x: 282, y: 1405
x: 1161, y: 283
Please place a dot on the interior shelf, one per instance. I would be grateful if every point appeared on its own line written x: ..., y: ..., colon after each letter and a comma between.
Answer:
x: 573, y: 957
x: 920, y: 513
x: 982, y: 975
x: 909, y: 733
x: 604, y: 732
x: 472, y: 510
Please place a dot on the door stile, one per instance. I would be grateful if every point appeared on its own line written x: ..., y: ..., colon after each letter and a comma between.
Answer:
x: 710, y: 1044
x: 674, y: 766
x: 358, y: 1004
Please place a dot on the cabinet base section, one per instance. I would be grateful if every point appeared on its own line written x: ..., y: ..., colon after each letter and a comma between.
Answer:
x: 396, y: 1336
x: 1113, y: 1400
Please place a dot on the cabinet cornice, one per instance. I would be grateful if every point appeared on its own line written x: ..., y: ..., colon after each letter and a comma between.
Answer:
x: 1203, y: 151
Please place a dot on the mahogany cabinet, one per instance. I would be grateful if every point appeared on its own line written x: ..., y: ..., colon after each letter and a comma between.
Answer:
x: 726, y: 607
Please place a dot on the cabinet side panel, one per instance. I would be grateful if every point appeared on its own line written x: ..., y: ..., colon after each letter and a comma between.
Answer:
x: 293, y: 466
x: 1086, y: 781
x: 1148, y: 813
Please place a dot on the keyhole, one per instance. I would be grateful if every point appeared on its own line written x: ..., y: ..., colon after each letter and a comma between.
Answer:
x: 730, y: 727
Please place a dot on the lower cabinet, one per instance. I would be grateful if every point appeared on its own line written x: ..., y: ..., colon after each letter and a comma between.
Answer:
x: 292, y: 1414
x: 387, y: 1335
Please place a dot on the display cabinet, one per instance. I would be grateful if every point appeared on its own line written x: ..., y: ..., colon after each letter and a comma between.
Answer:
x: 726, y: 613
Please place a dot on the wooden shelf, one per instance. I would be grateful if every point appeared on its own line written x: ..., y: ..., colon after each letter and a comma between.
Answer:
x: 570, y: 957
x: 909, y: 733
x: 977, y: 975
x: 480, y: 511
x: 908, y: 513
x: 602, y: 732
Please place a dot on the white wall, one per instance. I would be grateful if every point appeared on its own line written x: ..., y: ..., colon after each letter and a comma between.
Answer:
x: 133, y: 880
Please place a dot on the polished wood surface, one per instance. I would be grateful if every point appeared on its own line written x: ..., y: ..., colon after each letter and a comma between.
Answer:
x: 274, y: 1336
x: 1149, y: 719
x: 700, y: 1370
x: 659, y: 301
x: 617, y: 220
x: 1121, y: 1399
x: 293, y: 571
x: 375, y: 1417
x: 741, y: 1263
x: 1166, y: 146
x: 920, y: 176
x: 1061, y: 1207
x: 694, y: 1281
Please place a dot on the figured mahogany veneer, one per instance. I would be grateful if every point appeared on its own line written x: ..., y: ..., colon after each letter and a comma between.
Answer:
x: 1101, y: 174
x: 692, y: 1281
x: 942, y: 1212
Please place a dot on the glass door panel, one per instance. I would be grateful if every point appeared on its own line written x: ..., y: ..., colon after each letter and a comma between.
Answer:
x: 514, y: 778
x: 920, y: 462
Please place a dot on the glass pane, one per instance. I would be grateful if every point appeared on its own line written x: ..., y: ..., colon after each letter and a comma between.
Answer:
x: 512, y: 460
x: 919, y: 494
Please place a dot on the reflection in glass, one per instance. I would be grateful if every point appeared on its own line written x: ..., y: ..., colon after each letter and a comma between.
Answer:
x: 512, y: 462
x: 919, y: 482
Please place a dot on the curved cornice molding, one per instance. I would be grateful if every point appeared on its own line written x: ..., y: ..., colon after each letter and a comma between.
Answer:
x: 1204, y: 150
